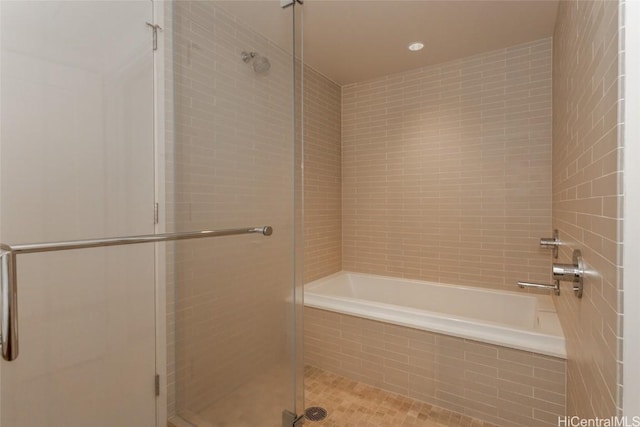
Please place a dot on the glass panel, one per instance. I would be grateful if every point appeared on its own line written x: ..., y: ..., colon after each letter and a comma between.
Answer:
x: 236, y: 163
x: 297, y: 340
x: 77, y: 162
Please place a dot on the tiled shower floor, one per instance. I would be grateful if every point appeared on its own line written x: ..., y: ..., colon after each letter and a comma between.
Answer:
x: 349, y: 404
x: 353, y: 404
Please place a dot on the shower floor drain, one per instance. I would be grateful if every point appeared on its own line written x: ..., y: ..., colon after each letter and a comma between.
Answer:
x: 315, y: 413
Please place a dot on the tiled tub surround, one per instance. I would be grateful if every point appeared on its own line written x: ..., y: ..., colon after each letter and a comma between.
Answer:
x: 501, y: 385
x: 447, y: 170
x: 322, y: 176
x: 525, y: 322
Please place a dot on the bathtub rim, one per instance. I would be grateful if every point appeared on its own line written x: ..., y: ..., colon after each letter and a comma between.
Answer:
x: 548, y: 344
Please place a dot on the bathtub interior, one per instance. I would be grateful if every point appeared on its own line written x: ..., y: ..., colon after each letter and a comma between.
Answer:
x: 526, y: 322
x: 499, y: 307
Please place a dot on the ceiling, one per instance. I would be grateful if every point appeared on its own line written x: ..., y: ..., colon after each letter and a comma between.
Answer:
x: 355, y: 40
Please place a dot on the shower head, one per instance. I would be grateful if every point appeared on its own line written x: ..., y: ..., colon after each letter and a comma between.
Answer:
x: 260, y: 63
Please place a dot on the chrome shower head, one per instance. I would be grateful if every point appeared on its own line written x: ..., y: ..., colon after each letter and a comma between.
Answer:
x: 260, y: 63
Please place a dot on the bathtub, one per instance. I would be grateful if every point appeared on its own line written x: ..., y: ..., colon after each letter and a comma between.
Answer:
x: 509, y: 319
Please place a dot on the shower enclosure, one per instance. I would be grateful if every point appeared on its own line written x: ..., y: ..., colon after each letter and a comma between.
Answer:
x: 127, y: 126
x: 236, y: 152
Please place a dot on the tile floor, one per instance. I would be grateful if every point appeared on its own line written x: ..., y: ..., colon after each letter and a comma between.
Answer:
x: 349, y: 404
x: 353, y: 404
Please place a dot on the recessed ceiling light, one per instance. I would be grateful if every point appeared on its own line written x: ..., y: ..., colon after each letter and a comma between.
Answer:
x: 416, y: 46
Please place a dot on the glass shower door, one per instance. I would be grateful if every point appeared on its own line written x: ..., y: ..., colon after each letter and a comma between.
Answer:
x: 237, y: 161
x: 77, y: 163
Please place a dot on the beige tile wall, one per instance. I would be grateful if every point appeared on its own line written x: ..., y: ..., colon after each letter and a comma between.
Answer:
x: 504, y: 386
x: 447, y: 170
x: 587, y: 197
x: 232, y: 167
x: 322, y: 176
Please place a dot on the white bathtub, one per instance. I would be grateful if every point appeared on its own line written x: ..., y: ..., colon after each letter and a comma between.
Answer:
x: 510, y: 319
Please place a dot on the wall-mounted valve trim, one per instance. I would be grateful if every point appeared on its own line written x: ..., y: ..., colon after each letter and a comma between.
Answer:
x: 551, y: 242
x: 571, y: 272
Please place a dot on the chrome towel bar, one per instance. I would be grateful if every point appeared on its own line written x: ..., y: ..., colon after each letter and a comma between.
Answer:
x: 9, y: 280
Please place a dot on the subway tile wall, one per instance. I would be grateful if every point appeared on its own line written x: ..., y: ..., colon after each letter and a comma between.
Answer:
x: 500, y: 385
x: 587, y: 198
x: 322, y: 176
x: 447, y: 170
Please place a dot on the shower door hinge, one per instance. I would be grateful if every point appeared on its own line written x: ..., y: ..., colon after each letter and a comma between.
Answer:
x: 155, y: 28
x: 286, y: 3
x: 156, y: 213
x: 157, y: 384
x: 289, y: 419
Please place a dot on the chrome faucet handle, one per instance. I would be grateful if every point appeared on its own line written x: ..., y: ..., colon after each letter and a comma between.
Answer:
x: 551, y: 242
x: 571, y: 272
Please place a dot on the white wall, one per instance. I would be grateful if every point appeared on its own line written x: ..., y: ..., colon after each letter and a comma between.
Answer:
x: 77, y: 162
